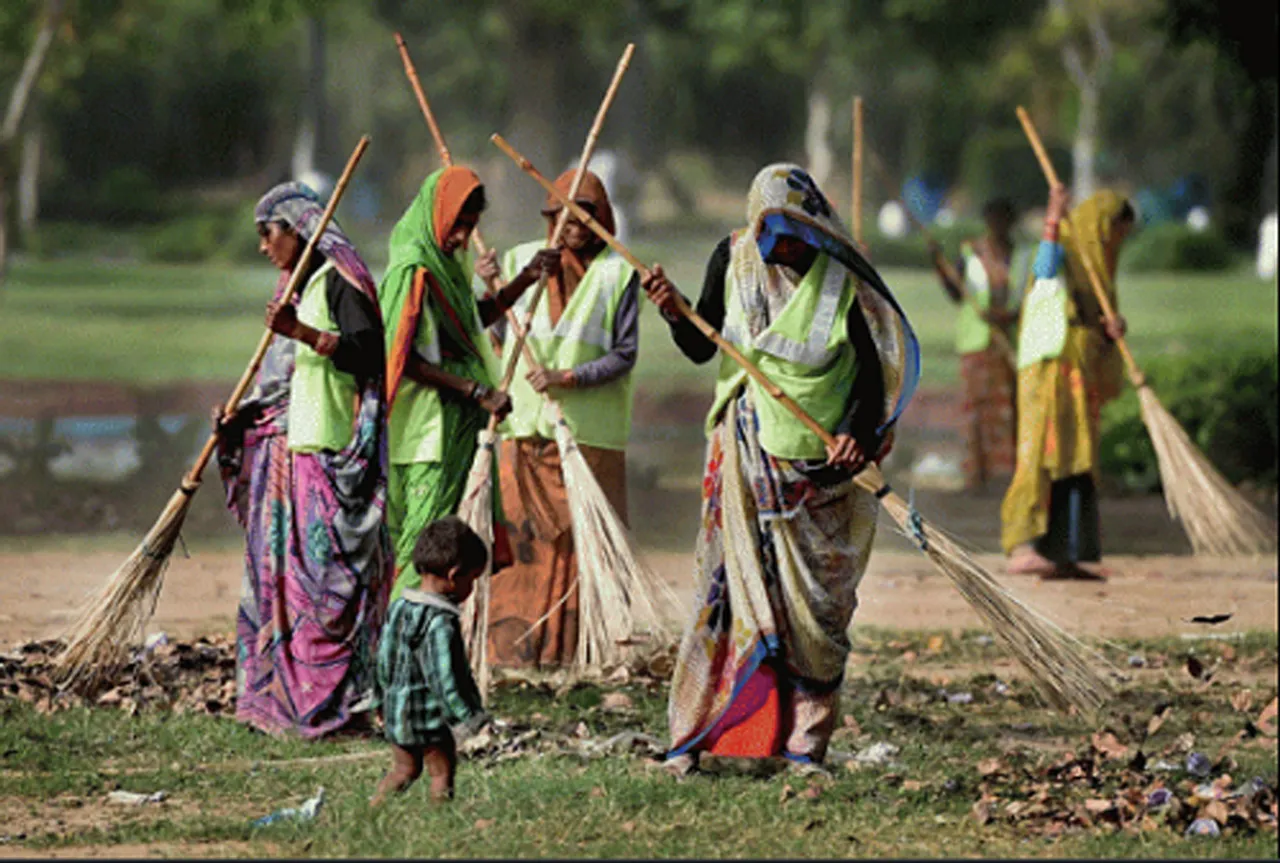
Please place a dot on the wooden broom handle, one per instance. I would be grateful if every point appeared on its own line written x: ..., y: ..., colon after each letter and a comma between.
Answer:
x: 445, y: 157
x: 192, y: 479
x: 856, y: 197
x: 588, y: 148
x: 869, y: 477
x: 948, y: 269
x: 1095, y: 281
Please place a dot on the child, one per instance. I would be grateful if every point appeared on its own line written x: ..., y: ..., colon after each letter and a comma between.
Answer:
x: 424, y: 680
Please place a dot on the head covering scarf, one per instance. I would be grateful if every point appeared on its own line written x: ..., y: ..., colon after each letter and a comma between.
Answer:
x: 785, y: 201
x: 593, y: 195
x: 1086, y: 235
x: 416, y: 243
x: 296, y: 205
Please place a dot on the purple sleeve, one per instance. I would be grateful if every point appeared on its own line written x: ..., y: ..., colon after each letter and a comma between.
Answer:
x: 626, y: 342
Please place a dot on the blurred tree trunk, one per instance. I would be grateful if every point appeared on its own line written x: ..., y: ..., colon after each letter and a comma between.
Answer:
x: 817, y: 143
x: 308, y: 142
x: 19, y: 101
x: 29, y: 179
x: 1088, y: 78
x: 1244, y: 202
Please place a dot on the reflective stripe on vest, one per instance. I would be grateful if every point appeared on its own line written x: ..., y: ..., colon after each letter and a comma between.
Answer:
x: 819, y: 378
x: 598, y: 416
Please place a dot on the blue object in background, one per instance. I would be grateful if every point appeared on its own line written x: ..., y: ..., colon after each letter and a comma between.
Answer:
x: 923, y: 198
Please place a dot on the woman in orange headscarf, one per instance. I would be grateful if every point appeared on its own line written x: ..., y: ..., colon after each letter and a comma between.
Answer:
x: 585, y: 335
x: 441, y: 373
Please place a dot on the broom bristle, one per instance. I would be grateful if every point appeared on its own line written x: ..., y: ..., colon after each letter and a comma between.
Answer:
x: 110, y: 622
x: 1060, y: 665
x: 1217, y: 518
x: 476, y: 509
x: 620, y: 599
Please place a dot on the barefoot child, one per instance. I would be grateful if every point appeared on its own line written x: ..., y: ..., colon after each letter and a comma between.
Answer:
x: 424, y: 679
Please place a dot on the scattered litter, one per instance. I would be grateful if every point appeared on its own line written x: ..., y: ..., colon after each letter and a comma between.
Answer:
x: 1158, y: 798
x: 1204, y: 827
x: 876, y: 755
x: 132, y: 798
x: 306, y: 812
x: 984, y: 640
x: 1162, y: 766
x: 1003, y: 689
x: 959, y: 698
x: 1137, y: 660
x: 1199, y: 765
x: 154, y: 640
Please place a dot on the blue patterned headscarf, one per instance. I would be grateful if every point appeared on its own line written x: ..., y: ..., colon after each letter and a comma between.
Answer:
x: 297, y: 206
x: 785, y: 201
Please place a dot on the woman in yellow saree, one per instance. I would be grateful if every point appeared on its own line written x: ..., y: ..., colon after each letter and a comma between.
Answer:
x: 1068, y: 368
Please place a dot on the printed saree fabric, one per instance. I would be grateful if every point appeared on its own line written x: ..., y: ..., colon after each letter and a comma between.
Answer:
x: 780, y: 552
x: 316, y: 552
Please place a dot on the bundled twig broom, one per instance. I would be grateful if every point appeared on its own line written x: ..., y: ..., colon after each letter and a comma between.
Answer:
x: 98, y: 641
x: 604, y: 551
x: 1059, y: 664
x: 1217, y: 519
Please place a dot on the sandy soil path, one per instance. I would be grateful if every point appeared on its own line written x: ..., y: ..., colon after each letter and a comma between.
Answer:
x: 1146, y: 596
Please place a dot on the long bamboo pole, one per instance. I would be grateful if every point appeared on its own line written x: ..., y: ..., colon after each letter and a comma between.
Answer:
x: 588, y: 148
x: 1095, y: 280
x: 856, y: 197
x: 295, y: 279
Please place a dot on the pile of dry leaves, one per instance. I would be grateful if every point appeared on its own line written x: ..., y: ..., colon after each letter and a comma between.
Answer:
x: 196, y: 677
x: 1111, y: 785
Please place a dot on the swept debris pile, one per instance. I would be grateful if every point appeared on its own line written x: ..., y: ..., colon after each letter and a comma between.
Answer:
x: 181, y: 677
x: 1109, y: 785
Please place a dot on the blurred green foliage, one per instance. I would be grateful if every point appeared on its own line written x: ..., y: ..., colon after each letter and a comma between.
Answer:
x: 1226, y: 402
x: 1174, y: 247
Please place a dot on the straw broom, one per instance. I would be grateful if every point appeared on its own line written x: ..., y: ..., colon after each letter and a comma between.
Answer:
x: 619, y: 601
x: 1217, y: 519
x: 97, y: 642
x: 998, y: 337
x: 476, y: 507
x: 1059, y: 664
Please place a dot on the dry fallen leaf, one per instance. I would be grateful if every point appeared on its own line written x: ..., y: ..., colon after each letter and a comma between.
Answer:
x: 628, y: 826
x: 597, y: 792
x: 1098, y: 805
x: 787, y: 793
x: 1265, y: 720
x: 983, y: 811
x: 485, y: 823
x: 1217, y: 810
x: 912, y: 785
x: 990, y: 766
x: 616, y: 701
x: 813, y: 792
x: 1195, y: 667
x: 852, y: 724
x: 1242, y: 700
x: 935, y: 644
x: 1106, y: 743
x: 909, y: 656
x: 1157, y: 720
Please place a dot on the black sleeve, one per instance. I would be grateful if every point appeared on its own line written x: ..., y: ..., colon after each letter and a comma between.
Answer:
x: 692, y: 343
x: 865, y: 411
x: 359, y: 350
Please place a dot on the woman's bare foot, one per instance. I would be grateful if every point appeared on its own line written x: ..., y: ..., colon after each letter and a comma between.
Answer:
x: 1025, y: 560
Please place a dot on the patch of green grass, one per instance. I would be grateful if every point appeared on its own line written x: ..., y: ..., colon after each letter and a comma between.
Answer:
x: 221, y: 776
x: 73, y: 319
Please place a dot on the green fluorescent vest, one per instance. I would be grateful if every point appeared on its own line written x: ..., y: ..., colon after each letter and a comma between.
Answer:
x: 598, y: 416
x: 416, y: 425
x: 973, y: 334
x: 806, y: 352
x: 322, y: 400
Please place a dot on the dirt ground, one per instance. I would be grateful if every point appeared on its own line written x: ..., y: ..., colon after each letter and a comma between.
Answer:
x: 1145, y: 596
